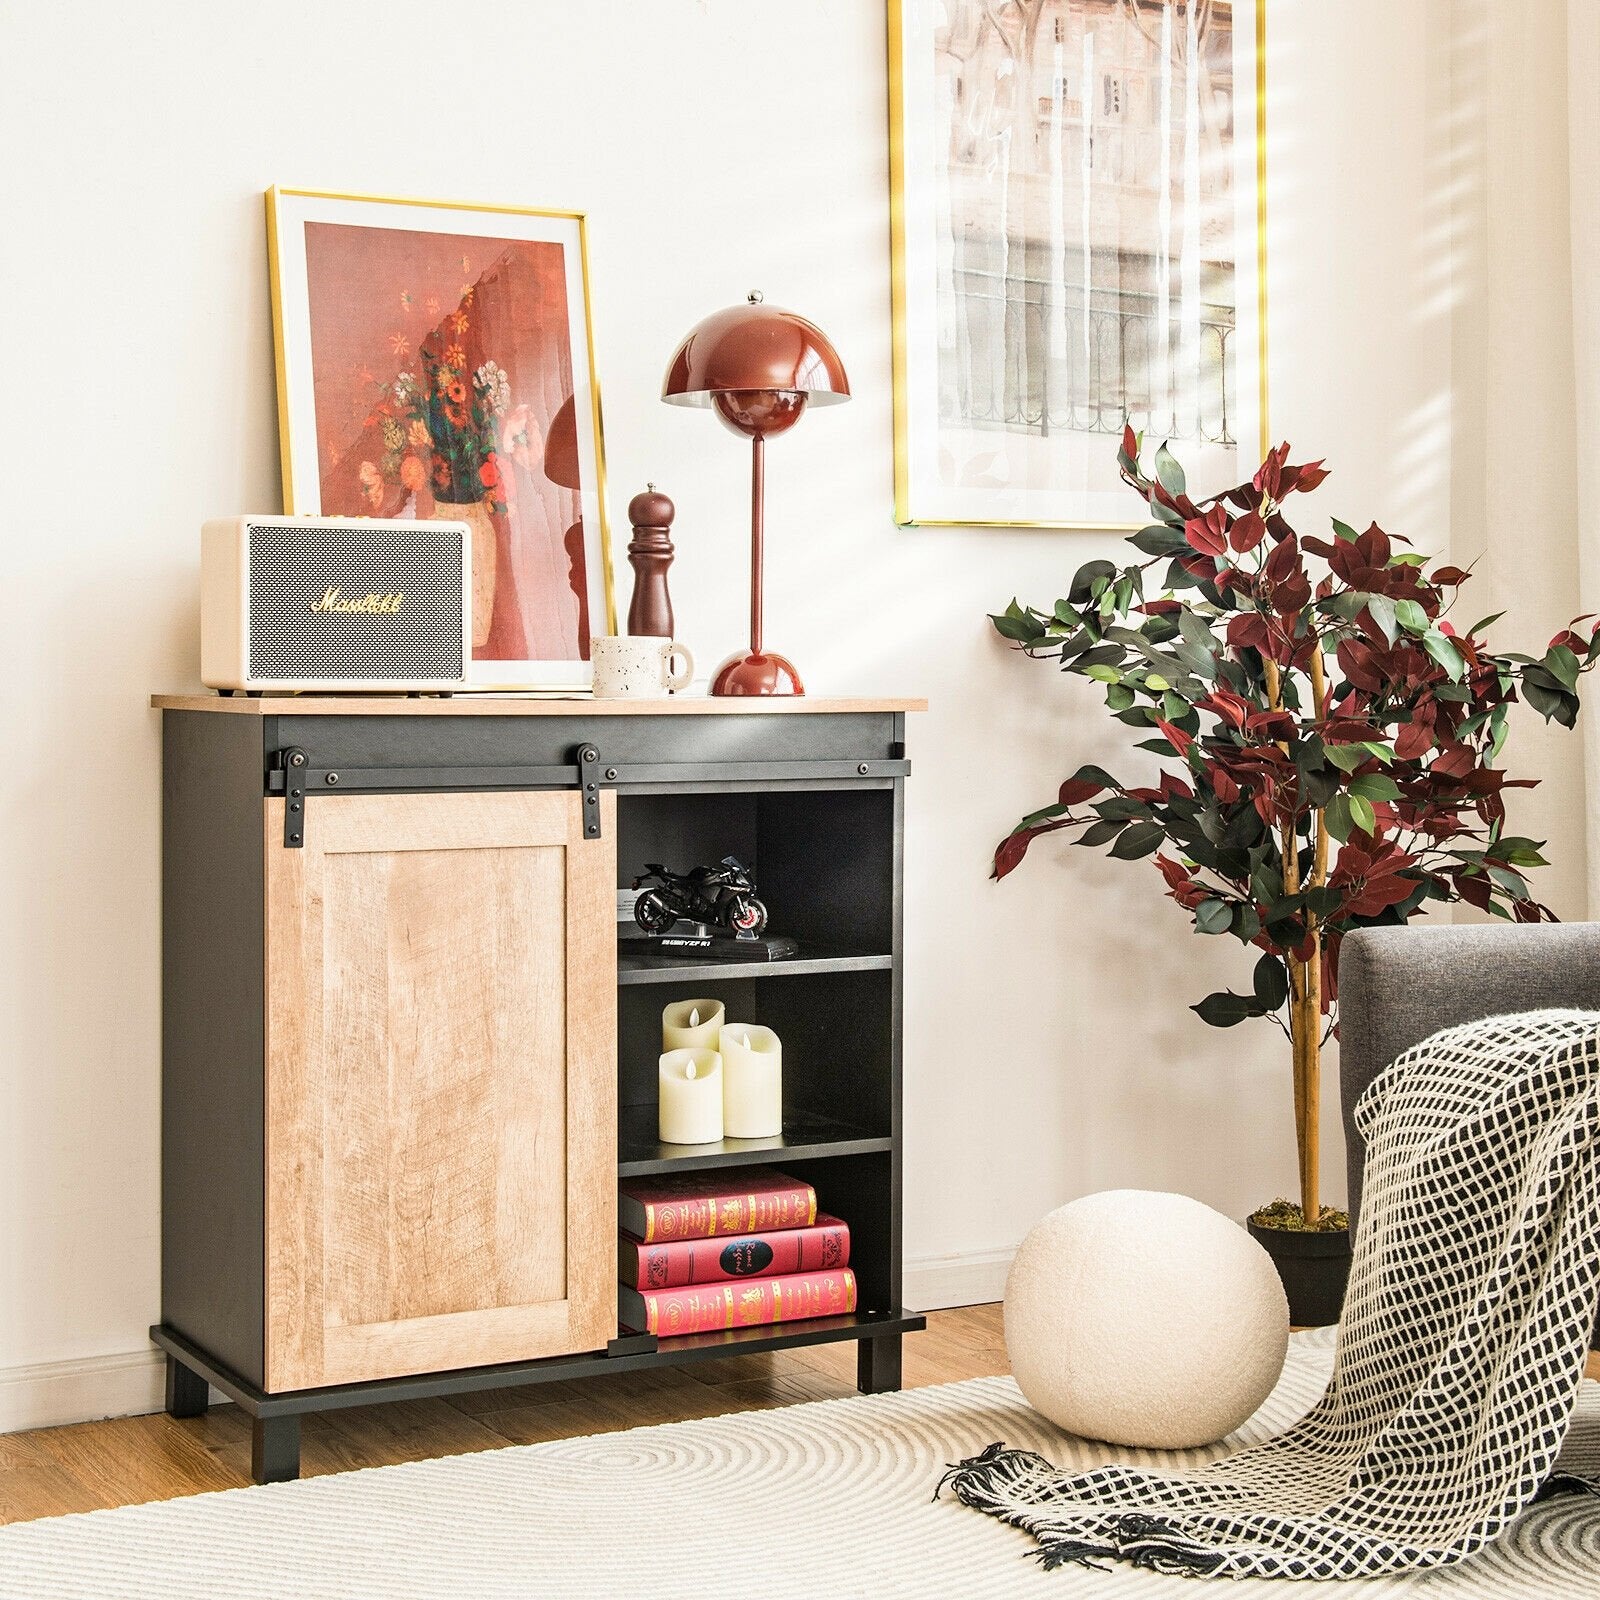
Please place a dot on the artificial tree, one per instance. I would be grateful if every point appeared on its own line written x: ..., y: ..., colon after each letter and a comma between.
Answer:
x: 1335, y: 739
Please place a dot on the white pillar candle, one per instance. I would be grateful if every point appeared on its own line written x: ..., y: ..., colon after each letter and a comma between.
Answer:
x: 691, y: 1025
x: 752, y: 1081
x: 691, y: 1097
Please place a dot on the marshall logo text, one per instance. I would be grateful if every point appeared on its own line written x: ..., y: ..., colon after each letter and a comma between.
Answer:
x: 372, y: 605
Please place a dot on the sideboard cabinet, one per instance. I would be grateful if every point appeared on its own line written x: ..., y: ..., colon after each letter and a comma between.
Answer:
x: 408, y: 1051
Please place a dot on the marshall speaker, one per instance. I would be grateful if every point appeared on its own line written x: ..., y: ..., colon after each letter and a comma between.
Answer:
x: 335, y: 603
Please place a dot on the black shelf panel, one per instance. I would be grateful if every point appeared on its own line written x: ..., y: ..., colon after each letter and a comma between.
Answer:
x: 471, y: 1380
x: 806, y: 1136
x: 637, y: 967
x: 782, y: 1335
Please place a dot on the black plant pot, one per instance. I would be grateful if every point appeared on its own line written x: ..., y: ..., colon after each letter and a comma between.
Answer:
x: 1314, y: 1269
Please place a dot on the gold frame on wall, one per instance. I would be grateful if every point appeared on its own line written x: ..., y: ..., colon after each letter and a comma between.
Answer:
x: 897, y: 283
x: 280, y: 363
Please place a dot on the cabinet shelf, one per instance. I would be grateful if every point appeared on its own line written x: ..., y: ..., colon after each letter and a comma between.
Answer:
x: 635, y: 966
x: 805, y: 1136
x: 785, y: 1335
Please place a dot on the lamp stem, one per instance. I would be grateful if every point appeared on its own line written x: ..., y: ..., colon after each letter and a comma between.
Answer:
x: 758, y: 478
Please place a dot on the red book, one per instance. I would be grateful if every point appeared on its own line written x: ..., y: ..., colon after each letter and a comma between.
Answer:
x: 708, y: 1307
x: 683, y: 1261
x: 708, y: 1205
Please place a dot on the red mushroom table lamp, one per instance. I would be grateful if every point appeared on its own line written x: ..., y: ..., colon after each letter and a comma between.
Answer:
x: 758, y: 368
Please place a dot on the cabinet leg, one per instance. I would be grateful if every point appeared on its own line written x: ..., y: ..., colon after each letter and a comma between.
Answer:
x: 187, y: 1392
x: 275, y: 1449
x: 878, y: 1364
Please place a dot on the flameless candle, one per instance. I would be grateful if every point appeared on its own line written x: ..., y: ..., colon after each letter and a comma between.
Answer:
x: 752, y: 1081
x: 691, y: 1025
x: 691, y: 1097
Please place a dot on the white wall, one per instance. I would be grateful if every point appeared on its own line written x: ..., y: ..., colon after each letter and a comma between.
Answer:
x: 718, y: 145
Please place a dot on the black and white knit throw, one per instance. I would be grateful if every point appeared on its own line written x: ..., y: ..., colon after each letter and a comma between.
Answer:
x: 1459, y: 1357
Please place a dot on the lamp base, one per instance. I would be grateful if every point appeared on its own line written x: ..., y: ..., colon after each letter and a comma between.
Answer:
x: 757, y: 674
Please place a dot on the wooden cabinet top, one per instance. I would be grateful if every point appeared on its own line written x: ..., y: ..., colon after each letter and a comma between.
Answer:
x: 509, y: 705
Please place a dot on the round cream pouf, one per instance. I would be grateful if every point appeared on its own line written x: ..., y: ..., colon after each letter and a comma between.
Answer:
x: 1144, y: 1319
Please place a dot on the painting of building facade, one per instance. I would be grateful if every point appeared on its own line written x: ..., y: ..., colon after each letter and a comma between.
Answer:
x: 1075, y: 246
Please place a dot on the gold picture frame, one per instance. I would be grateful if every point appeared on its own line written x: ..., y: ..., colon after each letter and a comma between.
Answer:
x: 481, y: 403
x: 910, y: 26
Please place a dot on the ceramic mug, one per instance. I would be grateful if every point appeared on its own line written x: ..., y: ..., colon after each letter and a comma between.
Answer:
x: 628, y: 666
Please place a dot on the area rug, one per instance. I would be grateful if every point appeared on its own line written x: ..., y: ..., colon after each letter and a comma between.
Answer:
x: 821, y: 1501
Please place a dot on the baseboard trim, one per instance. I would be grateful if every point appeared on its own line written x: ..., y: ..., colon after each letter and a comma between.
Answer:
x: 972, y: 1278
x: 57, y: 1392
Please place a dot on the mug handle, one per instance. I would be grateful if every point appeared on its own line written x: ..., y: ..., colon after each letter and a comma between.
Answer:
x: 677, y: 678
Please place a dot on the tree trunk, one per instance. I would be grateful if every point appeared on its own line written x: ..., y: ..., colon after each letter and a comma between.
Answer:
x: 1305, y: 1031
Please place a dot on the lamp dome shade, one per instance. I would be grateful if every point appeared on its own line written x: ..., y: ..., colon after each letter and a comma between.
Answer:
x: 755, y: 348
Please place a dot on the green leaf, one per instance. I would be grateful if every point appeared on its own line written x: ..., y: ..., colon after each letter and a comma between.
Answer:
x: 1141, y: 839
x: 1411, y: 616
x: 1168, y: 473
x: 1382, y: 611
x: 1346, y: 757
x: 1224, y: 1009
x: 1339, y: 817
x: 1154, y: 680
x: 1246, y: 923
x: 1271, y: 982
x: 1375, y: 786
x: 1086, y: 577
x: 1562, y: 665
x: 1021, y: 628
x: 1362, y: 814
x: 1102, y: 672
x: 1213, y: 916
x: 1158, y: 540
x: 1343, y: 530
x: 1118, y: 697
x: 1445, y: 653
x: 1065, y: 614
x: 1488, y: 621
x: 1100, y: 832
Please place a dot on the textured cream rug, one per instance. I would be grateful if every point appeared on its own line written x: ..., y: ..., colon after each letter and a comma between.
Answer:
x: 815, y: 1502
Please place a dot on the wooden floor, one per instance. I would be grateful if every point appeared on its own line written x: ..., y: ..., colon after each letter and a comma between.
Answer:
x: 130, y: 1459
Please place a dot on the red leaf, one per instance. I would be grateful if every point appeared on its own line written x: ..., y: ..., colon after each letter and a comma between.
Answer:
x: 1161, y: 608
x: 1247, y: 630
x: 1311, y: 477
x: 1452, y: 576
x: 1247, y: 532
x: 1076, y: 790
x: 1207, y: 534
x: 1176, y: 737
x: 1414, y: 739
x: 1130, y: 443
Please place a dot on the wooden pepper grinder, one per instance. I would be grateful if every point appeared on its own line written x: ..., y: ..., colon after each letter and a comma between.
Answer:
x: 650, y: 554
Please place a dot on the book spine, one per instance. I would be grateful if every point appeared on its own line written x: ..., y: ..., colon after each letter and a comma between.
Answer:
x: 686, y: 1261
x: 706, y: 1308
x: 707, y: 1216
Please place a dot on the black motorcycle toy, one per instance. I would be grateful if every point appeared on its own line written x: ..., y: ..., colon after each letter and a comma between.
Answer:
x: 723, y: 897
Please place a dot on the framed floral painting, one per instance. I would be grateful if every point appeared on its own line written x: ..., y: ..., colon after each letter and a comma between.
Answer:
x: 437, y: 361
x: 1077, y: 232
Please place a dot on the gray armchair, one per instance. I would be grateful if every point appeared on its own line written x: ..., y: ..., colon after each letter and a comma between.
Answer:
x: 1399, y: 985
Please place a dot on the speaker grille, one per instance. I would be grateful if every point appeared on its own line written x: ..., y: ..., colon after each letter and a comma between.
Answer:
x: 291, y: 566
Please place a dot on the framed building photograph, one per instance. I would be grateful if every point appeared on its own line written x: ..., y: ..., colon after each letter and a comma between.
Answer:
x: 1077, y: 240
x: 437, y: 361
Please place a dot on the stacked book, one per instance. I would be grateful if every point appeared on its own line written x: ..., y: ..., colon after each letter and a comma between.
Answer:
x: 734, y: 1248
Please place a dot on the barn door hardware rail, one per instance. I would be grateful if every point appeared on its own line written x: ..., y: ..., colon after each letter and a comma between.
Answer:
x: 293, y: 775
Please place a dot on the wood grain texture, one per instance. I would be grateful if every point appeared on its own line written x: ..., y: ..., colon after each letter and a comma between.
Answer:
x: 441, y: 1116
x: 54, y: 1471
x: 501, y: 705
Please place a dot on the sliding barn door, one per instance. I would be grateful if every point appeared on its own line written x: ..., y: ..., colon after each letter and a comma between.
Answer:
x: 441, y: 1084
